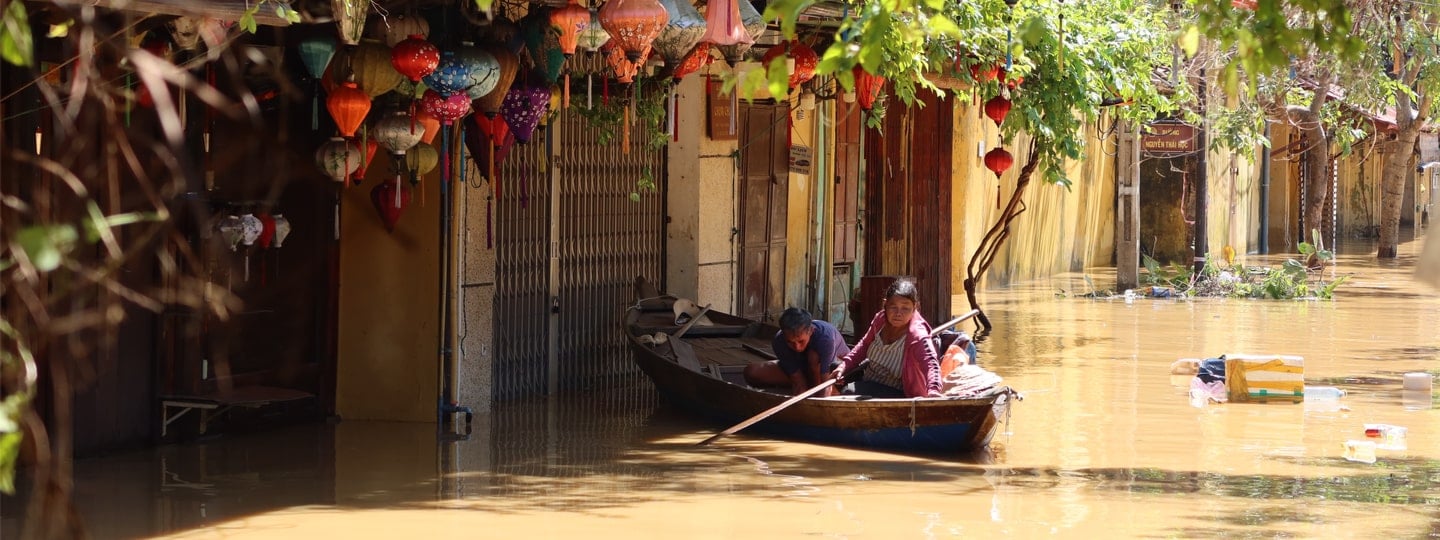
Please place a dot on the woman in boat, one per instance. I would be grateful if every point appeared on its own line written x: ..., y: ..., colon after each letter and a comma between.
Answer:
x: 903, y: 361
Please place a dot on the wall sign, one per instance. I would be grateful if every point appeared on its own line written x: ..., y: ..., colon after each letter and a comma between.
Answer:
x: 1167, y: 138
x: 722, y: 123
x: 800, y: 159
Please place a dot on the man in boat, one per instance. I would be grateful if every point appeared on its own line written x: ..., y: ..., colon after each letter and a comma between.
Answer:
x: 806, y: 351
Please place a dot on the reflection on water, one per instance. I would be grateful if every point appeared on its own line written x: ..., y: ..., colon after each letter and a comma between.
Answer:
x: 1105, y: 444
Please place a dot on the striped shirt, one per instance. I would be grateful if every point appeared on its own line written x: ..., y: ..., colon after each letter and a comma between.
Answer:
x: 885, y: 362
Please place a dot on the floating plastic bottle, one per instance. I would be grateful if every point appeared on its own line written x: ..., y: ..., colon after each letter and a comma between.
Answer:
x: 1390, y: 437
x: 1129, y: 296
x: 1323, y: 393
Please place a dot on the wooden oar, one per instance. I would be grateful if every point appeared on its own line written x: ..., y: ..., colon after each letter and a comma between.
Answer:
x: 817, y: 388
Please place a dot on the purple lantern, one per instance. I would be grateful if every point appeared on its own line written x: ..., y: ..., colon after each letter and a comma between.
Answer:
x: 523, y: 107
x: 446, y: 109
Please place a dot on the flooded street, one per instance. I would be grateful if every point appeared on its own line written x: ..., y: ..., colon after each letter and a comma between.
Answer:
x: 1105, y: 444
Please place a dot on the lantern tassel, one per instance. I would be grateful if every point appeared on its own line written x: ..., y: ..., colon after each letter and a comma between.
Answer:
x: 734, y: 109
x: 625, y: 133
x: 315, y: 110
x: 398, y: 187
x: 565, y: 101
x: 460, y: 162
x: 605, y: 91
x: 589, y: 92
x: 444, y: 157
x: 524, y: 187
x: 488, y: 220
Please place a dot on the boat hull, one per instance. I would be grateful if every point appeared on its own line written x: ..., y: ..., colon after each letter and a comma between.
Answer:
x: 926, y: 425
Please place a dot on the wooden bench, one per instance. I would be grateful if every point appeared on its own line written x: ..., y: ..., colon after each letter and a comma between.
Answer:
x: 215, y: 404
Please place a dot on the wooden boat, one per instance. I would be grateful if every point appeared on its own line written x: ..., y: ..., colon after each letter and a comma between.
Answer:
x: 710, y: 384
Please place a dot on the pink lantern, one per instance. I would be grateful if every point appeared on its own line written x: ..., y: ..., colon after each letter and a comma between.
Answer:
x: 445, y: 109
x: 723, y: 25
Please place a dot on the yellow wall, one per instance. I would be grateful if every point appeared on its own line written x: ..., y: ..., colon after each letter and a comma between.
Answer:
x: 1061, y: 230
x: 388, y: 361
x: 799, y: 243
x: 701, y: 197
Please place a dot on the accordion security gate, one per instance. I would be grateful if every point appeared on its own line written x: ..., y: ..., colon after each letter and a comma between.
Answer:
x: 569, y: 243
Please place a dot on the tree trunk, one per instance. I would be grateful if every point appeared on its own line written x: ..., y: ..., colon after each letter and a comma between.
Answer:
x: 1392, y: 189
x: 1316, y: 156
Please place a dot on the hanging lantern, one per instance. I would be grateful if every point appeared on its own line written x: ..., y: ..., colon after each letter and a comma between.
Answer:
x: 633, y: 25
x: 998, y: 161
x: 373, y: 71
x: 420, y: 160
x: 484, y: 69
x: 397, y: 133
x: 698, y: 58
x: 445, y: 109
x: 485, y: 141
x: 368, y: 155
x: 542, y: 43
x: 282, y: 229
x: 996, y: 108
x: 316, y: 53
x: 723, y: 24
x: 338, y: 158
x: 350, y: 18
x: 348, y: 106
x: 390, y: 200
x: 431, y: 124
x: 461, y: 69
x: 681, y: 33
x: 396, y: 29
x: 867, y: 87
x: 267, y: 232
x: 754, y: 27
x: 594, y: 36
x: 571, y: 20
x: 625, y: 70
x: 802, y: 54
x: 523, y: 108
x: 509, y: 63
x: 414, y: 57
x: 983, y: 72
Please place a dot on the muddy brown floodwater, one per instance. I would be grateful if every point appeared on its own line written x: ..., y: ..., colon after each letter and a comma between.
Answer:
x: 1105, y: 444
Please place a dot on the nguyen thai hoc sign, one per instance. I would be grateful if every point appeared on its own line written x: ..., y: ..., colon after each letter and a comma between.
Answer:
x: 1166, y: 138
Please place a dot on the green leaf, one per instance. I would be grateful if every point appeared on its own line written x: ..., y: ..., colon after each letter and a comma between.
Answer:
x: 484, y: 5
x: 1306, y: 248
x: 60, y: 30
x: 1190, y: 40
x: 777, y: 78
x: 634, y: 197
x: 17, y: 46
x: 9, y: 454
x: 46, y: 245
x: 944, y: 26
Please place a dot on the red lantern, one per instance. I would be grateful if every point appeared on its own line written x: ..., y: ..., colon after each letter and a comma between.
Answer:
x: 1243, y: 4
x: 804, y: 57
x: 698, y: 58
x: 369, y: 150
x: 867, y: 87
x: 390, y: 199
x: 983, y: 74
x: 431, y: 124
x: 267, y: 230
x: 570, y: 20
x: 998, y: 161
x: 445, y: 109
x: 997, y: 108
x: 415, y: 58
x: 348, y: 105
x: 633, y: 25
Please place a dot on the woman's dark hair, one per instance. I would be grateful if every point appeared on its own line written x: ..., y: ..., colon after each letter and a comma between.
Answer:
x: 903, y: 287
x: 794, y: 319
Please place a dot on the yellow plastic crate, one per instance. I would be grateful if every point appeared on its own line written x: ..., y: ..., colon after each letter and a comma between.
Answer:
x: 1265, y: 378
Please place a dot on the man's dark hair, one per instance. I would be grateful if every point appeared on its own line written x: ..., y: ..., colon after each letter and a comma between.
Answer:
x: 903, y: 287
x: 794, y: 319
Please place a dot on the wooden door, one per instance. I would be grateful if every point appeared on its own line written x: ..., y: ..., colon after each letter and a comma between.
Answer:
x: 764, y: 196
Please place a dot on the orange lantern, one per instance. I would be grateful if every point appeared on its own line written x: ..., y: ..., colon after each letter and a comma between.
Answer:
x: 633, y: 25
x: 348, y: 106
x: 698, y: 58
x: 489, y: 104
x: 368, y: 151
x: 431, y: 124
x: 867, y: 87
x: 804, y: 57
x: 996, y: 108
x: 998, y: 161
x: 570, y: 20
